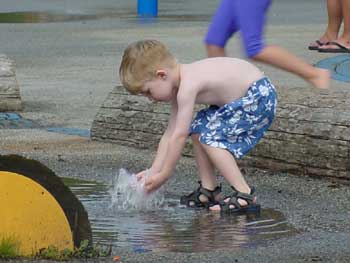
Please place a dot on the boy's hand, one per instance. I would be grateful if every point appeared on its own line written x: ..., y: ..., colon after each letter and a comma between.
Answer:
x: 141, y: 175
x: 154, y: 181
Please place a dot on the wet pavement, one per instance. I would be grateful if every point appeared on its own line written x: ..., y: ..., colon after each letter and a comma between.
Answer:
x: 168, y: 226
x: 65, y: 69
x: 317, y: 208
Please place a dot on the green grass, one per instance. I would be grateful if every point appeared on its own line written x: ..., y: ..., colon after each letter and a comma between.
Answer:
x: 8, y: 247
x: 84, y: 251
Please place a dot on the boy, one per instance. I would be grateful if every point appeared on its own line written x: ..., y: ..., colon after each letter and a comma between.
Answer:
x: 248, y: 17
x: 243, y: 105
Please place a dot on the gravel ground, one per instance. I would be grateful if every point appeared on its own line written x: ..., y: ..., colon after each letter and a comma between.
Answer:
x: 318, y: 208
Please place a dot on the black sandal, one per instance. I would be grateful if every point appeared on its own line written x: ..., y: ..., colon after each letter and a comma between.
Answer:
x: 192, y: 199
x: 250, y: 207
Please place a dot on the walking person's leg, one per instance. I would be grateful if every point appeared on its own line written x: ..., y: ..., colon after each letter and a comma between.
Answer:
x: 335, y: 17
x: 221, y: 29
x: 251, y: 20
x: 342, y: 43
x: 283, y: 59
x: 346, y: 18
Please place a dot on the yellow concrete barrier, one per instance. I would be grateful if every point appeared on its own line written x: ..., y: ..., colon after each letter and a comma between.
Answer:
x: 32, y: 215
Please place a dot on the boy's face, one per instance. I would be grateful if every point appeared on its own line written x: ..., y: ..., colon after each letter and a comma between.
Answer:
x: 159, y: 88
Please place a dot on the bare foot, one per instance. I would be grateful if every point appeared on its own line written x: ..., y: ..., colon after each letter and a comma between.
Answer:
x: 322, y: 79
x: 323, y: 40
x: 342, y: 41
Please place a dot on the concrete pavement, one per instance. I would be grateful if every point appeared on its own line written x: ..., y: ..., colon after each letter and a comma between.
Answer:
x: 66, y: 69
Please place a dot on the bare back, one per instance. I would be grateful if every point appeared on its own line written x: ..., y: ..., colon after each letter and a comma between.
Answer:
x: 218, y: 81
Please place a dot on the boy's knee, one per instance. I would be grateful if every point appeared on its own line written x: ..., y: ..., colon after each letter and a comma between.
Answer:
x: 195, y: 137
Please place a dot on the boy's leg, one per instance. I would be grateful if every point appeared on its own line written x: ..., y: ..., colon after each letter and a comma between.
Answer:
x: 222, y: 27
x: 208, y: 191
x: 204, y: 164
x: 227, y: 166
x: 224, y: 161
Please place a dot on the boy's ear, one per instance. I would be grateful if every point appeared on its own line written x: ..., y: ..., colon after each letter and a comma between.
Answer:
x: 161, y: 73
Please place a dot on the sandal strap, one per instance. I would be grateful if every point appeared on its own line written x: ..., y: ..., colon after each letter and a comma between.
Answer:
x: 249, y: 198
x: 233, y: 200
x: 194, y: 196
x: 210, y: 194
x: 225, y: 206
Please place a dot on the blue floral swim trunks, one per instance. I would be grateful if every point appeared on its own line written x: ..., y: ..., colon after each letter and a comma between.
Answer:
x: 239, y: 125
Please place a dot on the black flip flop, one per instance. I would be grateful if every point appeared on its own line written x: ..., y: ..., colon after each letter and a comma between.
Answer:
x: 340, y: 49
x: 319, y: 44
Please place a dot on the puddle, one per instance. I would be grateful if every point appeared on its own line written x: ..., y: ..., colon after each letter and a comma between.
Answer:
x: 51, y: 17
x: 174, y: 228
x: 41, y: 17
x: 12, y: 120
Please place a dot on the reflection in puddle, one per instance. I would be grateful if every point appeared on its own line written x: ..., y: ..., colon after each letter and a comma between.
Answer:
x: 174, y: 227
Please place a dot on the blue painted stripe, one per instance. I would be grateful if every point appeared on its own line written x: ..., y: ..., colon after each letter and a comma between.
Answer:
x: 339, y: 67
x: 10, y: 116
x: 71, y: 131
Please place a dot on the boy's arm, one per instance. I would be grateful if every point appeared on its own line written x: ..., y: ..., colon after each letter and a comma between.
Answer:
x: 163, y: 144
x: 176, y: 141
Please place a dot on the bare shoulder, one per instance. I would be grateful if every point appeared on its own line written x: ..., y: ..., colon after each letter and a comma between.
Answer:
x: 187, y: 92
x: 190, y: 82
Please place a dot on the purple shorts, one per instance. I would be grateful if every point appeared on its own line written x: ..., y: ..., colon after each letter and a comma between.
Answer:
x: 246, y: 16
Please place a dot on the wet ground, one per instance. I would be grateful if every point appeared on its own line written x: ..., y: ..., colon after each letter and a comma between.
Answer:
x: 317, y: 208
x: 65, y: 69
x: 171, y: 227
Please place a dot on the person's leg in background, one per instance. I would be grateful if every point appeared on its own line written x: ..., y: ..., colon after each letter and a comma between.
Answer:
x: 221, y: 29
x: 345, y: 37
x: 342, y: 43
x: 335, y: 17
x: 251, y: 16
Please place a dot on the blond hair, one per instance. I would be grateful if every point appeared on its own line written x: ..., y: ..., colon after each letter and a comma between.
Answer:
x: 140, y: 62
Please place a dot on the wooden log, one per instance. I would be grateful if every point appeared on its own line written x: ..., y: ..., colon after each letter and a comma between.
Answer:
x: 10, y: 99
x: 310, y: 135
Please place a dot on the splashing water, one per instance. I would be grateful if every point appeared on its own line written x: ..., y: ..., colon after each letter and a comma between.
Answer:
x: 128, y: 193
